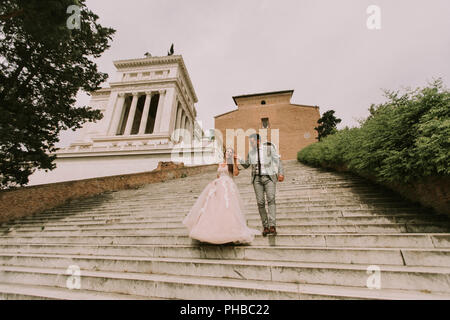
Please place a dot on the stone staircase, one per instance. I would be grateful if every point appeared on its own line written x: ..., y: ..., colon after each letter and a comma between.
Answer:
x: 131, y: 244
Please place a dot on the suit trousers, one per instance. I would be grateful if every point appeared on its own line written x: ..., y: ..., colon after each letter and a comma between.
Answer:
x: 264, y: 186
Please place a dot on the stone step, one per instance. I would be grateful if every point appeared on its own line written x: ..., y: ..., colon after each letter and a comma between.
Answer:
x: 435, y: 279
x: 185, y: 287
x: 388, y: 240
x: 186, y: 195
x: 248, y: 207
x: 410, y: 257
x: 246, y: 192
x: 249, y: 198
x: 254, y: 221
x: 179, y: 229
x: 31, y: 292
x: 304, y: 180
x: 287, y: 219
x: 169, y: 216
x: 156, y: 193
x: 252, y: 206
x: 280, y: 212
x: 251, y: 203
x: 354, y: 210
x: 131, y: 243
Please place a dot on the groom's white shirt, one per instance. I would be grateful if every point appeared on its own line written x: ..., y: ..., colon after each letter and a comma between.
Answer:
x: 263, y: 159
x: 270, y: 162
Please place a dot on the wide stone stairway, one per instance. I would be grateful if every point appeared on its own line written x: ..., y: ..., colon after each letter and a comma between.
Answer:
x: 334, y: 232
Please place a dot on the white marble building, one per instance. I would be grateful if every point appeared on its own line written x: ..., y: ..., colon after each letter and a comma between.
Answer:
x: 149, y: 112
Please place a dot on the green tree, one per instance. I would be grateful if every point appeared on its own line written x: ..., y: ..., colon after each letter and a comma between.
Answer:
x: 327, y: 124
x: 45, y: 59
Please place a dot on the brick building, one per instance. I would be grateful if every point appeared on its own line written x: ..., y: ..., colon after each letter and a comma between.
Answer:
x: 272, y: 110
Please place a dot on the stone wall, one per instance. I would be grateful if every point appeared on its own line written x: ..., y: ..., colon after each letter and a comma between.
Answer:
x: 433, y: 192
x: 25, y: 201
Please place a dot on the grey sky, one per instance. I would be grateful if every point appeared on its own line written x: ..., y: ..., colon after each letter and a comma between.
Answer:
x: 321, y: 49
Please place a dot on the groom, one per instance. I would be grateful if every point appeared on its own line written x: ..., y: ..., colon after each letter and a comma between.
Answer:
x: 266, y: 171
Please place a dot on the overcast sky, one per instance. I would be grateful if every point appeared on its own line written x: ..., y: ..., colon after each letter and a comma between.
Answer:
x: 321, y: 49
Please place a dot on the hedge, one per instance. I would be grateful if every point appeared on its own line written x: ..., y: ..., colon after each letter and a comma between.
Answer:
x: 405, y: 139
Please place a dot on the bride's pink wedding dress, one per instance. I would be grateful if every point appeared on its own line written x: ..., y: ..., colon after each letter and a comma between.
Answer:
x: 217, y: 217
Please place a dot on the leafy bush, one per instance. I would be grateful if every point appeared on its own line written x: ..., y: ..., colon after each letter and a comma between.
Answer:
x: 403, y: 139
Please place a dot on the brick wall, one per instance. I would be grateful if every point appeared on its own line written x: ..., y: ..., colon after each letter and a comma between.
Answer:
x: 295, y: 124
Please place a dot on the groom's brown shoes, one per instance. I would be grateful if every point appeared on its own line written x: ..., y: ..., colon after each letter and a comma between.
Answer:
x: 273, y: 231
x: 265, y: 232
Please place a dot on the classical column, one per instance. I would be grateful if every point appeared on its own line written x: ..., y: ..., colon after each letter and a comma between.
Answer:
x: 116, y: 115
x: 169, y: 113
x: 159, y: 111
x: 183, y: 120
x: 131, y: 114
x: 108, y: 114
x: 189, y: 130
x: 183, y: 124
x: 192, y: 131
x: 143, y: 125
x: 178, y: 121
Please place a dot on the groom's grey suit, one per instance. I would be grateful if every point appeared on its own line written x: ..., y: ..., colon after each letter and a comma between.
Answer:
x: 265, y: 181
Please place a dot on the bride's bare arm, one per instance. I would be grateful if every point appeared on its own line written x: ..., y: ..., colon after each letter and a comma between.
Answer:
x: 235, y: 168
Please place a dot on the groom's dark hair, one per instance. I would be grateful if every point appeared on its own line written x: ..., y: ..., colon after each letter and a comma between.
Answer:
x: 255, y: 136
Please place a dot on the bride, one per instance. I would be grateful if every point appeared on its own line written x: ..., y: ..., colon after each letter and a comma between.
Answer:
x: 217, y: 215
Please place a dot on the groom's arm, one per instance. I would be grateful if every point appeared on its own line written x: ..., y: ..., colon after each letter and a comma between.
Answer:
x: 279, y: 164
x: 245, y: 164
x: 280, y: 168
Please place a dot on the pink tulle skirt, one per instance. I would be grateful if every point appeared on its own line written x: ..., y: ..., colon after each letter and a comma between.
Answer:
x: 217, y: 217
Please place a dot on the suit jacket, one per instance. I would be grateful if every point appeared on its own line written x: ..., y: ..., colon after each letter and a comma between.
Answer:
x: 270, y: 161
